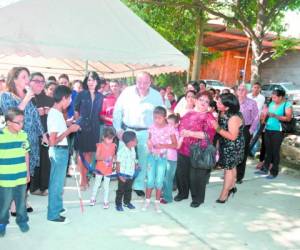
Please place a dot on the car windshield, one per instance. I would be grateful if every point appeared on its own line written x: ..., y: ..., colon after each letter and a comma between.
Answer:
x: 290, y: 86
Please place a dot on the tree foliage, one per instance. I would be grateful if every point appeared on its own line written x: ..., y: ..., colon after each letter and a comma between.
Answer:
x: 254, y: 17
x: 175, y: 23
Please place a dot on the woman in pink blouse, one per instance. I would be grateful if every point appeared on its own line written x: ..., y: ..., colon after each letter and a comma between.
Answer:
x: 193, y: 127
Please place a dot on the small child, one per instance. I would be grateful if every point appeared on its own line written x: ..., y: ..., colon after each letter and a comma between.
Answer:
x: 14, y: 170
x: 58, y: 152
x: 127, y: 164
x: 173, y: 120
x: 105, y: 157
x: 162, y: 137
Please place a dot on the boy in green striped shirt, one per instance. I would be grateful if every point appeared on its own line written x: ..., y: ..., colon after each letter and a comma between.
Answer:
x: 14, y: 169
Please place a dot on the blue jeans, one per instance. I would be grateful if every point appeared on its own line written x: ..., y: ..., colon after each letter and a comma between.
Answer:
x: 168, y: 182
x: 156, y: 171
x: 59, y: 161
x: 142, y: 154
x: 9, y: 194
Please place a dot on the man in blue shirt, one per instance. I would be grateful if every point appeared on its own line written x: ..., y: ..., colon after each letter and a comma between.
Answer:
x: 134, y: 111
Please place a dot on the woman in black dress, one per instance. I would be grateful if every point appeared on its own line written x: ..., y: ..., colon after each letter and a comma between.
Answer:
x: 88, y: 105
x: 230, y: 129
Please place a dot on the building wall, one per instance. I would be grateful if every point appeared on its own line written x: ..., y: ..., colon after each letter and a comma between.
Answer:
x: 227, y: 68
x: 286, y: 68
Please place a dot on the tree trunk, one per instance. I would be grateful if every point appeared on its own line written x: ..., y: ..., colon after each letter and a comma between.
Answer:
x: 256, y: 61
x: 198, y: 47
x: 257, y: 42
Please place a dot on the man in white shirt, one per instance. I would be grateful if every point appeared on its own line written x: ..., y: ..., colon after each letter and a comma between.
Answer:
x: 257, y: 96
x: 134, y: 111
x: 260, y: 102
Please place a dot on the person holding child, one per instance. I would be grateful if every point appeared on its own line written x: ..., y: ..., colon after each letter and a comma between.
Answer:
x: 126, y: 169
x: 14, y: 170
x: 105, y: 157
x: 161, y: 138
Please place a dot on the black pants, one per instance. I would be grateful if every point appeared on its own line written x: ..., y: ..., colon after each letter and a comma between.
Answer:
x: 40, y: 179
x: 124, y: 192
x: 198, y: 181
x: 273, y: 140
x: 183, y: 175
x: 262, y: 152
x: 242, y: 166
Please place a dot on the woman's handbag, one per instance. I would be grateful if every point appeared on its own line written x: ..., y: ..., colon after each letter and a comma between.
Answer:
x: 203, y: 158
x: 288, y: 127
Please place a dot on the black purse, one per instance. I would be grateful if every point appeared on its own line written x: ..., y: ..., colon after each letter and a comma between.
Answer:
x: 203, y: 158
x: 288, y: 127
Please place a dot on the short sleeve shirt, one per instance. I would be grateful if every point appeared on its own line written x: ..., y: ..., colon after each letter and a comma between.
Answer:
x: 107, y: 152
x: 57, y: 124
x: 161, y: 136
x: 273, y: 123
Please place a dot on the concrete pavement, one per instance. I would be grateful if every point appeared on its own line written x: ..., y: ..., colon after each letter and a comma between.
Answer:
x: 263, y: 214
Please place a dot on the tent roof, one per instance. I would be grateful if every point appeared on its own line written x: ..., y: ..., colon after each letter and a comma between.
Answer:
x: 105, y: 32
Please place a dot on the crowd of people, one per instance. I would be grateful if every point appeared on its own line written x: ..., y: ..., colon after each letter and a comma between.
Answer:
x: 140, y: 134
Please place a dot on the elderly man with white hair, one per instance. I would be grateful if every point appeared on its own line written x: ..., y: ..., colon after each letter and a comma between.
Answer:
x: 134, y: 111
x: 249, y: 110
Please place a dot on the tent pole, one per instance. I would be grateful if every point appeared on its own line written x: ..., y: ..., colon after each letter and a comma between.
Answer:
x: 246, y: 60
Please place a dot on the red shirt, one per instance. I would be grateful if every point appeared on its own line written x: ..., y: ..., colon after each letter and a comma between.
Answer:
x: 108, y: 105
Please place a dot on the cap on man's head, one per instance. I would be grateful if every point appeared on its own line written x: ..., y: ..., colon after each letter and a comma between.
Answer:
x: 2, y: 78
x: 128, y: 136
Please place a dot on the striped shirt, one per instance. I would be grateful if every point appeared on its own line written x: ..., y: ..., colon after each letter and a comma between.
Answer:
x: 13, y: 148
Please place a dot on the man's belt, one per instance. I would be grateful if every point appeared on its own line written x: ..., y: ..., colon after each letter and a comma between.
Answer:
x: 125, y: 127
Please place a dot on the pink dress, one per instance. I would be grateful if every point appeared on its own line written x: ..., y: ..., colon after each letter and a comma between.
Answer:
x: 161, y: 136
x: 196, y: 121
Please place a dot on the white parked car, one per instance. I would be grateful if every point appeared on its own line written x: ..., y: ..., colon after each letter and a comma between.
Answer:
x: 215, y: 84
x: 291, y: 89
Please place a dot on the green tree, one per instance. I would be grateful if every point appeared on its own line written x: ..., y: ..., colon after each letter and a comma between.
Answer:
x: 181, y: 26
x: 254, y: 17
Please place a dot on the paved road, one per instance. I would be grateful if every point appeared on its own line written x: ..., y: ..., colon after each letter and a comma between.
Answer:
x: 263, y: 215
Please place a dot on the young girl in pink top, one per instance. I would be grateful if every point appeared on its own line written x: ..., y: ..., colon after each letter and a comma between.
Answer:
x: 173, y: 120
x: 161, y: 138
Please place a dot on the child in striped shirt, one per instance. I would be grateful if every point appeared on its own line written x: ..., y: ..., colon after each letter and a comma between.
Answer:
x: 14, y: 170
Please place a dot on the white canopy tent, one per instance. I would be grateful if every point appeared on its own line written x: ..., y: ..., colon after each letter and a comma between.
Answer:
x: 60, y: 36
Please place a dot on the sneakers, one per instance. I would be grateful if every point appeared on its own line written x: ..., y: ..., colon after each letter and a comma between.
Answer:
x: 163, y: 201
x: 157, y: 206
x: 270, y: 177
x: 261, y: 172
x: 2, y: 230
x: 60, y: 220
x: 129, y: 205
x: 146, y: 205
x: 29, y: 210
x: 92, y: 202
x: 63, y: 211
x: 106, y: 205
x: 24, y: 227
x: 119, y: 208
